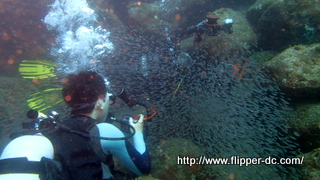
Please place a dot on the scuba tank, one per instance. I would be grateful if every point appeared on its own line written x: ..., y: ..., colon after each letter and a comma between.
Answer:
x: 26, y: 157
x: 29, y: 156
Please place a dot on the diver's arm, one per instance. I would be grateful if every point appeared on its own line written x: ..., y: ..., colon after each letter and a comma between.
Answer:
x: 138, y: 136
x: 137, y: 160
x: 139, y: 144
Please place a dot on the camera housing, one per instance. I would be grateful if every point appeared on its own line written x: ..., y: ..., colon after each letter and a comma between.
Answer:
x: 125, y: 123
x: 38, y: 121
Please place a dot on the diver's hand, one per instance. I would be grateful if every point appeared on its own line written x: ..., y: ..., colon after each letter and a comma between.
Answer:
x: 139, y: 125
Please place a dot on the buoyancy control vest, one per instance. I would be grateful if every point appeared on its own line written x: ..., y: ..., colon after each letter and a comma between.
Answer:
x: 75, y: 151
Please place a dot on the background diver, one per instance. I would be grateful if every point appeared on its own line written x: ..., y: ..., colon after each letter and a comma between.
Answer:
x: 209, y: 26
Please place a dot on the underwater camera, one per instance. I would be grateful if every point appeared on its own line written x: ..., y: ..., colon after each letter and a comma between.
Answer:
x: 125, y: 126
x: 125, y: 119
x: 122, y: 94
x: 38, y: 120
x: 124, y: 122
x: 37, y: 123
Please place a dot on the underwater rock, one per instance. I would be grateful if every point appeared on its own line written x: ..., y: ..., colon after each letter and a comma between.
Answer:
x: 306, y: 122
x: 149, y: 177
x: 264, y: 56
x: 164, y: 159
x: 173, y: 14
x: 297, y: 70
x: 311, y: 165
x: 283, y: 23
x: 108, y: 15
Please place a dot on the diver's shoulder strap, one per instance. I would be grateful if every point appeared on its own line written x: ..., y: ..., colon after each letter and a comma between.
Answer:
x: 19, y: 165
x: 47, y: 169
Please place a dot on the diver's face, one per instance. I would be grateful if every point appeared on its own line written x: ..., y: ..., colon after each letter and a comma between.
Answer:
x: 105, y: 107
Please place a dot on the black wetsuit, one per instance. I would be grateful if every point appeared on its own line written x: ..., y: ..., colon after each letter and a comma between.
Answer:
x: 78, y: 156
x: 75, y: 152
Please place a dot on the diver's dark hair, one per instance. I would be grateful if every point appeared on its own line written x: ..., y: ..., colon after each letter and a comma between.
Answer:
x: 82, y: 90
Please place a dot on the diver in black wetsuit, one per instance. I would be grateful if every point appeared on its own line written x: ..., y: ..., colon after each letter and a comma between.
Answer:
x: 210, y: 27
x: 83, y: 157
x: 80, y: 148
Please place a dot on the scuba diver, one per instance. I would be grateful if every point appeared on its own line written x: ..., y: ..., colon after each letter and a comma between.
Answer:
x: 209, y: 26
x: 85, y: 144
